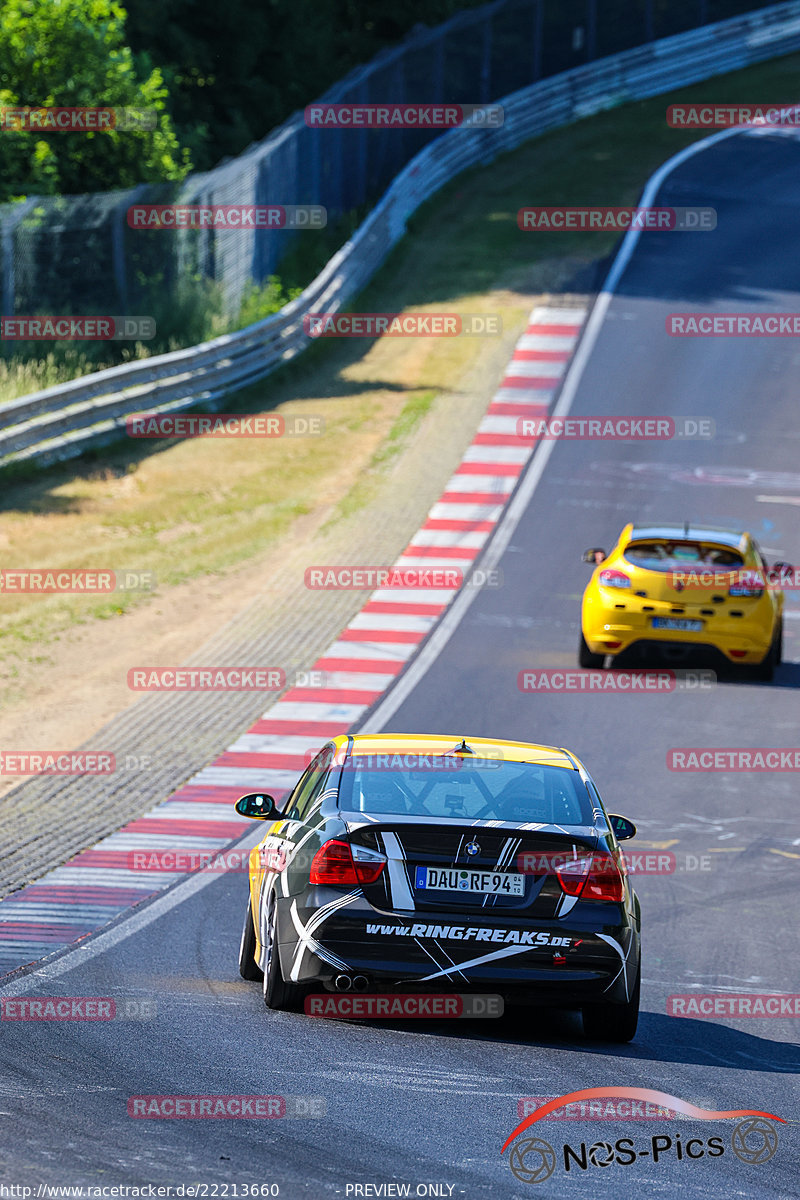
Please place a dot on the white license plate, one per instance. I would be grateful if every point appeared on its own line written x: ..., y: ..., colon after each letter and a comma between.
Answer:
x: 673, y: 623
x: 453, y: 879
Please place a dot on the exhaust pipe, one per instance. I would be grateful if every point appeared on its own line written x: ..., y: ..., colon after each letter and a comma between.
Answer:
x: 343, y: 983
x: 360, y: 983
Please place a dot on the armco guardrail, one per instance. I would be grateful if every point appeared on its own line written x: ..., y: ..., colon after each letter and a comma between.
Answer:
x: 60, y: 422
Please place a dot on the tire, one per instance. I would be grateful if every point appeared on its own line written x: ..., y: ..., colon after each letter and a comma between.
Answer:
x: 586, y: 658
x: 613, y: 1022
x: 278, y: 994
x: 248, y: 967
x: 766, y: 669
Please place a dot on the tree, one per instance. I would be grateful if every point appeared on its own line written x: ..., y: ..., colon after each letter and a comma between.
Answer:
x: 237, y: 71
x: 73, y: 53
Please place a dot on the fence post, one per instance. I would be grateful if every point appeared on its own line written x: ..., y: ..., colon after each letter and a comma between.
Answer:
x: 591, y: 32
x: 538, y: 27
x: 9, y: 274
x: 118, y: 222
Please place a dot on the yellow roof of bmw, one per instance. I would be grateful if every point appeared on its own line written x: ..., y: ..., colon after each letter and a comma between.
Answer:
x: 437, y: 743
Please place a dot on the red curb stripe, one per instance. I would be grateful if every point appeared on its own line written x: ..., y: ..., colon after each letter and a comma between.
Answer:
x: 321, y: 729
x: 381, y: 635
x: 120, y: 860
x: 375, y: 666
x: 183, y: 827
x: 502, y: 408
x: 489, y: 468
x: 103, y: 897
x: 556, y: 330
x: 538, y: 383
x: 30, y: 931
x: 413, y: 551
x: 269, y: 760
x: 403, y: 609
x: 475, y: 497
x: 501, y: 439
x: 457, y: 526
x: 541, y: 355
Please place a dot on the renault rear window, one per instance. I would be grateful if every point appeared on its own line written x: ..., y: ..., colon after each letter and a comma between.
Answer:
x: 682, y: 556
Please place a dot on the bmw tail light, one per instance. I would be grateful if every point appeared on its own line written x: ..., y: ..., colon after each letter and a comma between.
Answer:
x: 593, y: 877
x: 338, y: 864
x: 572, y: 874
x: 605, y: 880
x: 613, y: 579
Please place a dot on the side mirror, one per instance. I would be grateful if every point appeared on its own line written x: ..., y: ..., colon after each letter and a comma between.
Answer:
x: 623, y: 828
x: 782, y: 568
x: 596, y: 555
x: 257, y: 805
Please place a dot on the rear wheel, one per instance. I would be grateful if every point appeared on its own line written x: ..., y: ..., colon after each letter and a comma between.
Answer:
x: 613, y: 1022
x: 586, y: 658
x: 248, y: 967
x: 766, y: 669
x: 278, y: 994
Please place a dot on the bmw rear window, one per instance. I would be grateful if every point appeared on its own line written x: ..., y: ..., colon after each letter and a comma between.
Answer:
x: 682, y: 556
x: 471, y: 789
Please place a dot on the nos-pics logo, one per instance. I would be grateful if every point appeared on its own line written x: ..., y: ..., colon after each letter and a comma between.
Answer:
x: 754, y: 1138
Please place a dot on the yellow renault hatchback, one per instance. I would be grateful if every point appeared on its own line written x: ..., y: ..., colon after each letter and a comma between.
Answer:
x: 680, y: 592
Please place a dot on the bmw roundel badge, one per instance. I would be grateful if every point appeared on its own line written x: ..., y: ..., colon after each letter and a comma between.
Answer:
x: 472, y: 848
